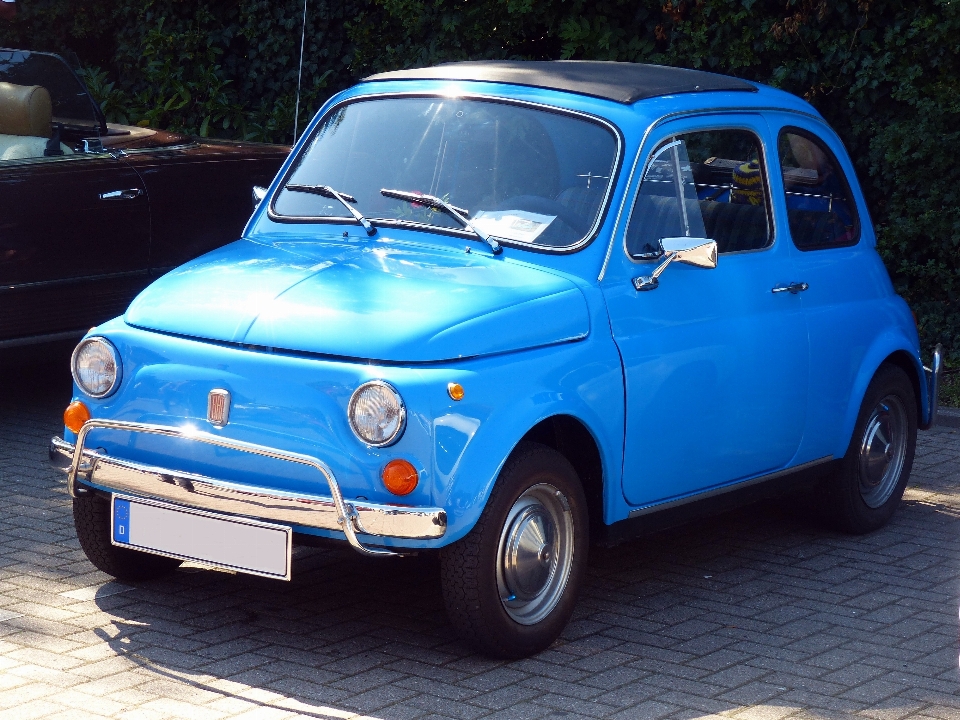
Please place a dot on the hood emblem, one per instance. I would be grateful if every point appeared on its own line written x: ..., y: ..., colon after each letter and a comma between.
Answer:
x: 218, y: 407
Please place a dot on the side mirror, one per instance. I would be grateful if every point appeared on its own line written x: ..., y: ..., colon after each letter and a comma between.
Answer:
x: 259, y: 193
x: 699, y: 252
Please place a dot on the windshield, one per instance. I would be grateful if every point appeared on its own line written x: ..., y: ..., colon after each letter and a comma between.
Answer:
x: 523, y: 175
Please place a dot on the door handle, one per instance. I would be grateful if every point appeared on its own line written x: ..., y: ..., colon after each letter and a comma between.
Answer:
x: 792, y: 288
x: 128, y: 194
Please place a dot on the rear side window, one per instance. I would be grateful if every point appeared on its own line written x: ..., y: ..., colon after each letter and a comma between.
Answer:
x: 703, y: 184
x: 820, y: 209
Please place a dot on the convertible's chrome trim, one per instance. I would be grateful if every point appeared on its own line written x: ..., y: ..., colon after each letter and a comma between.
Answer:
x: 327, y: 513
x: 656, y: 507
x: 932, y: 374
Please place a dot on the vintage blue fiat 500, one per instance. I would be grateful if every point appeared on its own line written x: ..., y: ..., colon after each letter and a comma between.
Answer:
x: 499, y: 310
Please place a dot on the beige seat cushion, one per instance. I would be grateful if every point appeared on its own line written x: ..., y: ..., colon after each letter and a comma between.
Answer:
x: 25, y: 110
x: 25, y: 116
x: 21, y: 147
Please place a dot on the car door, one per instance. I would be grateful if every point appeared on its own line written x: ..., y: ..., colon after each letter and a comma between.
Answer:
x: 715, y: 360
x: 205, y: 190
x: 74, y: 243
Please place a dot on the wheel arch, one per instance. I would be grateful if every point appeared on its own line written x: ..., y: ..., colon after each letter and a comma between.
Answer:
x: 572, y: 438
x: 886, y: 350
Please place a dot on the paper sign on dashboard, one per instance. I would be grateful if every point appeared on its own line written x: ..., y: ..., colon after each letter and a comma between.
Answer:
x: 514, y: 225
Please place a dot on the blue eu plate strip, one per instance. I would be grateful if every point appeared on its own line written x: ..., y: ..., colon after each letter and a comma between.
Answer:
x: 121, y: 520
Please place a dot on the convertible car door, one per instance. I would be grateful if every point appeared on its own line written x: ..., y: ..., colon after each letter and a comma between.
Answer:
x: 205, y: 189
x: 74, y: 243
x: 715, y: 360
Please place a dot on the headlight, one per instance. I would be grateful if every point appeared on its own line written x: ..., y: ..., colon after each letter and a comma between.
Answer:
x: 96, y: 367
x: 377, y: 414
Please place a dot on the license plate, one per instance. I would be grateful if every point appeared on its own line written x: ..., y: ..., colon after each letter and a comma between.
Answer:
x: 222, y: 541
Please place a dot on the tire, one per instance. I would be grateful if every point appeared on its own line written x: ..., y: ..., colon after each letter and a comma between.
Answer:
x: 507, y: 592
x: 870, y: 480
x: 91, y: 517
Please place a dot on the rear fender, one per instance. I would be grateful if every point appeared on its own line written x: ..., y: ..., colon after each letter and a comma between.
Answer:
x: 893, y: 345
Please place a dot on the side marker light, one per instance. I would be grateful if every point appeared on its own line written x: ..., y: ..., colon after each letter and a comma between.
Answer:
x: 455, y: 391
x: 400, y: 477
x: 75, y: 416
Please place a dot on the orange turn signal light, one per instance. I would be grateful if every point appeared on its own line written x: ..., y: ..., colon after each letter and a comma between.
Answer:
x: 75, y: 416
x: 400, y: 477
x: 455, y: 391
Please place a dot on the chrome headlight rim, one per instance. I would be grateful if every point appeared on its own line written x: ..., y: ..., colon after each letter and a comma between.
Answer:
x: 114, y: 353
x: 401, y: 412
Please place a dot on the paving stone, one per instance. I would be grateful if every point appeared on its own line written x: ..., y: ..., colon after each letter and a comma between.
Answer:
x: 757, y: 614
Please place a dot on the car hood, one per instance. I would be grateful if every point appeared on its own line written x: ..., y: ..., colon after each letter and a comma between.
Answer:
x: 381, y: 300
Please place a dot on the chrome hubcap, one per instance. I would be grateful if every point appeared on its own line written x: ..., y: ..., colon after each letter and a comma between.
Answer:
x: 882, y: 451
x: 535, y: 554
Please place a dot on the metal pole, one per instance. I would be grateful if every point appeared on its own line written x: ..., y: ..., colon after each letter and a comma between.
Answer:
x: 303, y: 33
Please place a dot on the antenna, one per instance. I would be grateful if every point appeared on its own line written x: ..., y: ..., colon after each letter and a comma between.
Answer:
x: 303, y: 33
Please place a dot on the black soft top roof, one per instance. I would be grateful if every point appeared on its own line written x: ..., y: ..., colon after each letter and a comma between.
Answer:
x: 618, y: 81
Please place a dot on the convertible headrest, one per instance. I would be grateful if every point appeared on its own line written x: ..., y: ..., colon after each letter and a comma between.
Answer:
x: 25, y: 110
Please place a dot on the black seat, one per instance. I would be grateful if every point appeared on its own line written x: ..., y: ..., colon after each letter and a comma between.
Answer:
x: 815, y: 228
x: 735, y: 227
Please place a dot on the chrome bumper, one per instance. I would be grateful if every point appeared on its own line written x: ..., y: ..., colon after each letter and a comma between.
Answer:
x: 933, y: 386
x: 315, y: 511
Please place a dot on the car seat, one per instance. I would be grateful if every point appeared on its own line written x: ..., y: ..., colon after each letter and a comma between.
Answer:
x: 26, y: 114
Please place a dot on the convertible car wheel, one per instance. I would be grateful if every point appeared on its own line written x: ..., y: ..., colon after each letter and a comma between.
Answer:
x: 91, y: 516
x: 510, y: 585
x: 874, y: 472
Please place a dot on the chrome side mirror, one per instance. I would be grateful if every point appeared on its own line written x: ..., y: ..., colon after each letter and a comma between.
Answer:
x: 259, y: 193
x: 699, y: 252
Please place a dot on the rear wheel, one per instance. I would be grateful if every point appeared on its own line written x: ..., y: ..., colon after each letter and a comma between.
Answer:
x: 91, y: 517
x: 873, y: 474
x: 510, y: 586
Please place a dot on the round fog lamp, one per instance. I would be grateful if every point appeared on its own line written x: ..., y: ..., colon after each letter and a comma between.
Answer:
x: 96, y: 367
x: 377, y: 414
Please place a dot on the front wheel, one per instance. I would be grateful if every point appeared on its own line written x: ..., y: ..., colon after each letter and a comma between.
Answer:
x: 873, y: 474
x: 510, y: 586
x: 91, y: 517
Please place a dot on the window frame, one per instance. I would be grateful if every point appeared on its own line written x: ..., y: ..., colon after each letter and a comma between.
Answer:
x: 857, y: 233
x: 768, y: 194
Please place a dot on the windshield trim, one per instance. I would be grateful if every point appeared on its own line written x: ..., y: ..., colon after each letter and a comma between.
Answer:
x: 588, y: 238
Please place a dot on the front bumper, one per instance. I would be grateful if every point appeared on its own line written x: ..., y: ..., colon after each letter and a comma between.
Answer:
x: 312, y: 511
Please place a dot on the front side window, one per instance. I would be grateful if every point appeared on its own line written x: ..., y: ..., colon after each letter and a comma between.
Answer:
x: 703, y: 184
x: 523, y: 175
x: 820, y: 209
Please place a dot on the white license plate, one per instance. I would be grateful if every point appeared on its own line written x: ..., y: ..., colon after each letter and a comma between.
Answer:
x: 232, y: 543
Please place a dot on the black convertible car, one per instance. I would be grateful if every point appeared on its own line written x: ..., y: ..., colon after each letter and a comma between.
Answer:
x: 91, y: 212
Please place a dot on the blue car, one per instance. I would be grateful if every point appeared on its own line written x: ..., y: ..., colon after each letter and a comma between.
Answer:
x: 502, y: 311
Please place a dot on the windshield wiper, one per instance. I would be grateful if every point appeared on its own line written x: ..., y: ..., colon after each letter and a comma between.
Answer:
x: 345, y: 200
x: 458, y: 214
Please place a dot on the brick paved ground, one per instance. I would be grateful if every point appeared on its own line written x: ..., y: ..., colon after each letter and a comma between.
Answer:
x: 753, y: 615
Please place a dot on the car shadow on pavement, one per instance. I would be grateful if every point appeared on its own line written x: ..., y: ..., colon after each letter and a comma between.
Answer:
x: 752, y: 609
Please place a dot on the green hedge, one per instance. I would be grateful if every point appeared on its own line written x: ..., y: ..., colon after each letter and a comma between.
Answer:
x: 885, y: 74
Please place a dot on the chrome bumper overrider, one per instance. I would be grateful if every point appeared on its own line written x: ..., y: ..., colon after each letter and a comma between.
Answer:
x: 933, y: 386
x: 315, y: 511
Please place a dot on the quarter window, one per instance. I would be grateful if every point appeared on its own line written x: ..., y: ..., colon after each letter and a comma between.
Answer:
x: 703, y: 184
x: 820, y: 210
